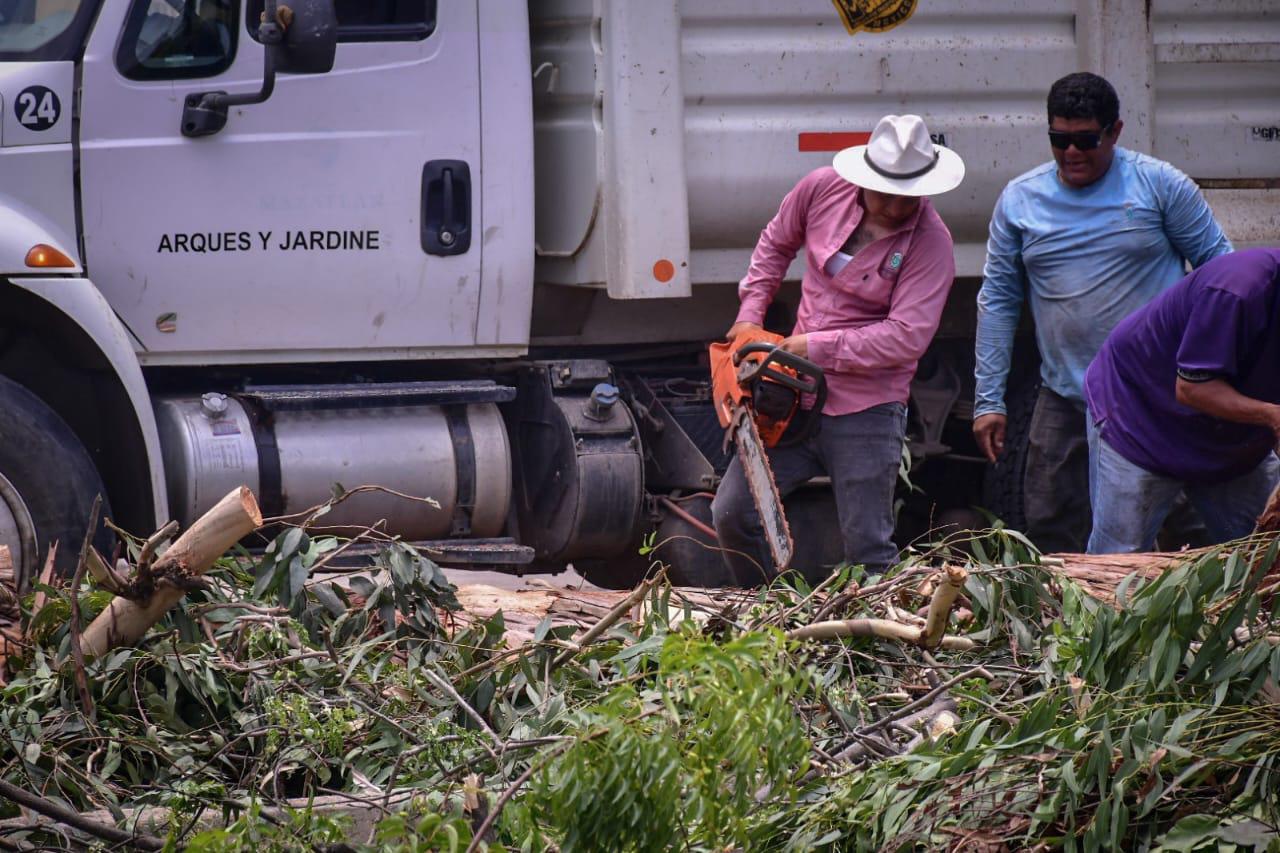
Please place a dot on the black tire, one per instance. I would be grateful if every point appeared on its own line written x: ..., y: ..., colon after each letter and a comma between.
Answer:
x: 626, y: 571
x: 692, y: 558
x: 1002, y: 493
x: 53, y: 477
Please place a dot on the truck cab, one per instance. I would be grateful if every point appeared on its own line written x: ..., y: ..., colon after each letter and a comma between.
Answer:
x: 338, y: 222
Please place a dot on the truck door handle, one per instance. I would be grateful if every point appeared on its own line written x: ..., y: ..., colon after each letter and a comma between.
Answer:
x: 446, y: 207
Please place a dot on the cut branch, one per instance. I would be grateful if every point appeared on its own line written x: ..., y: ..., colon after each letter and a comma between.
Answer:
x: 41, y: 597
x: 944, y: 596
x: 147, y: 555
x: 62, y: 814
x: 885, y: 629
x: 611, y: 618
x: 124, y: 622
x: 105, y: 576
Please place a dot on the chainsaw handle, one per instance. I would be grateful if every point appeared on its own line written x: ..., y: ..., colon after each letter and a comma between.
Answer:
x: 809, y: 379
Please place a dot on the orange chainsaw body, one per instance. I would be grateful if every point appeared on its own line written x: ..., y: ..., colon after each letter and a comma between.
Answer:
x: 732, y: 397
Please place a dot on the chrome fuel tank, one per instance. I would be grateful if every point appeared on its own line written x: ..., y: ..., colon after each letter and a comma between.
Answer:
x: 450, y: 464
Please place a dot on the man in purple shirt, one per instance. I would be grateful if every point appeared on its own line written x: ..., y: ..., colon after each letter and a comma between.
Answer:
x: 878, y: 267
x: 1186, y: 393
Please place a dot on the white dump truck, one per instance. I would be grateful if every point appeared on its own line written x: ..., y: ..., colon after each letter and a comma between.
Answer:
x: 473, y: 250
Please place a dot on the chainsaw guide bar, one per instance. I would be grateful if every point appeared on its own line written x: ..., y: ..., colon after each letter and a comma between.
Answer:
x: 764, y: 491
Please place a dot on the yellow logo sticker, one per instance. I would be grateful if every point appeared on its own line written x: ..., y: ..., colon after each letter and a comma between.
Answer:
x: 873, y: 15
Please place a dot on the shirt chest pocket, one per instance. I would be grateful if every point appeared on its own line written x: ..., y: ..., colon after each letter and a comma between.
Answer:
x: 1135, y: 216
x: 871, y: 289
x: 1139, y: 232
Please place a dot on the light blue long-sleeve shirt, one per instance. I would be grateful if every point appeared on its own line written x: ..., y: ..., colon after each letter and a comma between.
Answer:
x: 1087, y: 258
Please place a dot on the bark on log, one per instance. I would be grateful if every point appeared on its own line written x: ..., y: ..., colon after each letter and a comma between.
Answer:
x: 1100, y: 574
x: 524, y: 609
x: 125, y: 622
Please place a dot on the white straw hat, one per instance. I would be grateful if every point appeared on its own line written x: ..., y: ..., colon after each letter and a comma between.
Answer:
x: 901, y: 159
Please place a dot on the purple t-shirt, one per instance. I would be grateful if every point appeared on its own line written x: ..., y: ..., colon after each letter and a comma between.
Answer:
x: 1220, y: 322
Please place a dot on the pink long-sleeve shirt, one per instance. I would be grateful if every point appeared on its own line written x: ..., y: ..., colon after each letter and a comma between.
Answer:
x: 869, y: 324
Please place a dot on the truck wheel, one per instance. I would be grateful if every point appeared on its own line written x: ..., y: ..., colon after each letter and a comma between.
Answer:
x: 47, y: 484
x: 1002, y: 482
x: 626, y: 571
x: 692, y: 558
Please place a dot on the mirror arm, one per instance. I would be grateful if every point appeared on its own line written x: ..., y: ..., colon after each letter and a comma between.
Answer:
x: 221, y: 100
x: 205, y: 113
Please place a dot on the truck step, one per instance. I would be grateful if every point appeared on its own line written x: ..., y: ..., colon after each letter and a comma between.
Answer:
x: 501, y: 554
x: 361, y: 395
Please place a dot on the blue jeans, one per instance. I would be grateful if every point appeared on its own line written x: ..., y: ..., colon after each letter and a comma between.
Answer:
x: 1130, y: 503
x: 1055, y: 485
x: 860, y: 452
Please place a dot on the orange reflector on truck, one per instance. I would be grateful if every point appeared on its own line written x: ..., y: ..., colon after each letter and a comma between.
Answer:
x: 832, y: 141
x: 44, y: 256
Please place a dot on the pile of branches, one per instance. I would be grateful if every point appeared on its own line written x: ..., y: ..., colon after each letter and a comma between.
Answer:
x: 968, y: 700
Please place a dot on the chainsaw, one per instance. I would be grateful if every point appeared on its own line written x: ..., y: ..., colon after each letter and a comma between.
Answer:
x: 758, y: 388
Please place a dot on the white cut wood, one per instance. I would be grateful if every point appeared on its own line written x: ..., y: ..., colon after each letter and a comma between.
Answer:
x: 125, y: 622
x: 944, y: 596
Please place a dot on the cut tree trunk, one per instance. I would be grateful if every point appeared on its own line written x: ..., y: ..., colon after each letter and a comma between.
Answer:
x: 1100, y: 574
x: 124, y: 622
x: 523, y: 609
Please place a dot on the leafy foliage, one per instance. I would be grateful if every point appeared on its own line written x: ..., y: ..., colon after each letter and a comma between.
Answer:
x: 1071, y: 725
x: 681, y: 762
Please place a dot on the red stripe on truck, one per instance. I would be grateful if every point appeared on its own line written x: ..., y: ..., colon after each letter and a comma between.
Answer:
x: 832, y: 141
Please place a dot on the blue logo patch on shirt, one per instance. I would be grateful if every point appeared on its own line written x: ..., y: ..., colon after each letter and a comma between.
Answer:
x: 895, y: 261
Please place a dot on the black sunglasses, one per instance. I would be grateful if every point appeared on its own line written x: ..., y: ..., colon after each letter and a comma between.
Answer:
x: 1083, y: 141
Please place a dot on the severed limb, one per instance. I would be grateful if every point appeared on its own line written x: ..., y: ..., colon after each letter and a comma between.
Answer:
x: 125, y: 621
x: 944, y: 597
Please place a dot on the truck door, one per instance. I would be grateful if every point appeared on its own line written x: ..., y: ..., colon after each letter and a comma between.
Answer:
x: 297, y: 231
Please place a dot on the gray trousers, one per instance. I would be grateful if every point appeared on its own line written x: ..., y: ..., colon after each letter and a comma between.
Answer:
x: 861, y: 453
x: 1055, y: 487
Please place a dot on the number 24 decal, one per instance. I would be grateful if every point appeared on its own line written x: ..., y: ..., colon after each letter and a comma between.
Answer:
x: 37, y: 108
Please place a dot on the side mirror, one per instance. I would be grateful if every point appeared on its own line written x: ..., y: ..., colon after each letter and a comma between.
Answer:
x: 311, y: 40
x: 301, y: 39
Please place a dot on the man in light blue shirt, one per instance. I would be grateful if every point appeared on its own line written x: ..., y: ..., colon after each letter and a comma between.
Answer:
x: 1087, y: 239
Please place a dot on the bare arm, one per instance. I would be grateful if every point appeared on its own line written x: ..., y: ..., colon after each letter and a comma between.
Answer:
x: 1216, y: 397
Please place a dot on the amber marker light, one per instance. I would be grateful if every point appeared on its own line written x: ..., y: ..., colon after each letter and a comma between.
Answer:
x: 44, y: 256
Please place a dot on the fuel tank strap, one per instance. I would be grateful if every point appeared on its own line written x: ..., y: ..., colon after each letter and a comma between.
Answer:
x: 464, y: 460
x: 270, y: 477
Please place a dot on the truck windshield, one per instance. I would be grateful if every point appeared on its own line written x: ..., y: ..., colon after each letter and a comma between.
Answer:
x: 42, y: 30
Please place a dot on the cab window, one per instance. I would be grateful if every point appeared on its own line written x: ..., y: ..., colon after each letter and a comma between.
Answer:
x: 175, y: 39
x: 371, y: 20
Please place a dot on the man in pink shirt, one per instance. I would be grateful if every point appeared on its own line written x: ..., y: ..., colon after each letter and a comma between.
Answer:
x: 878, y: 267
